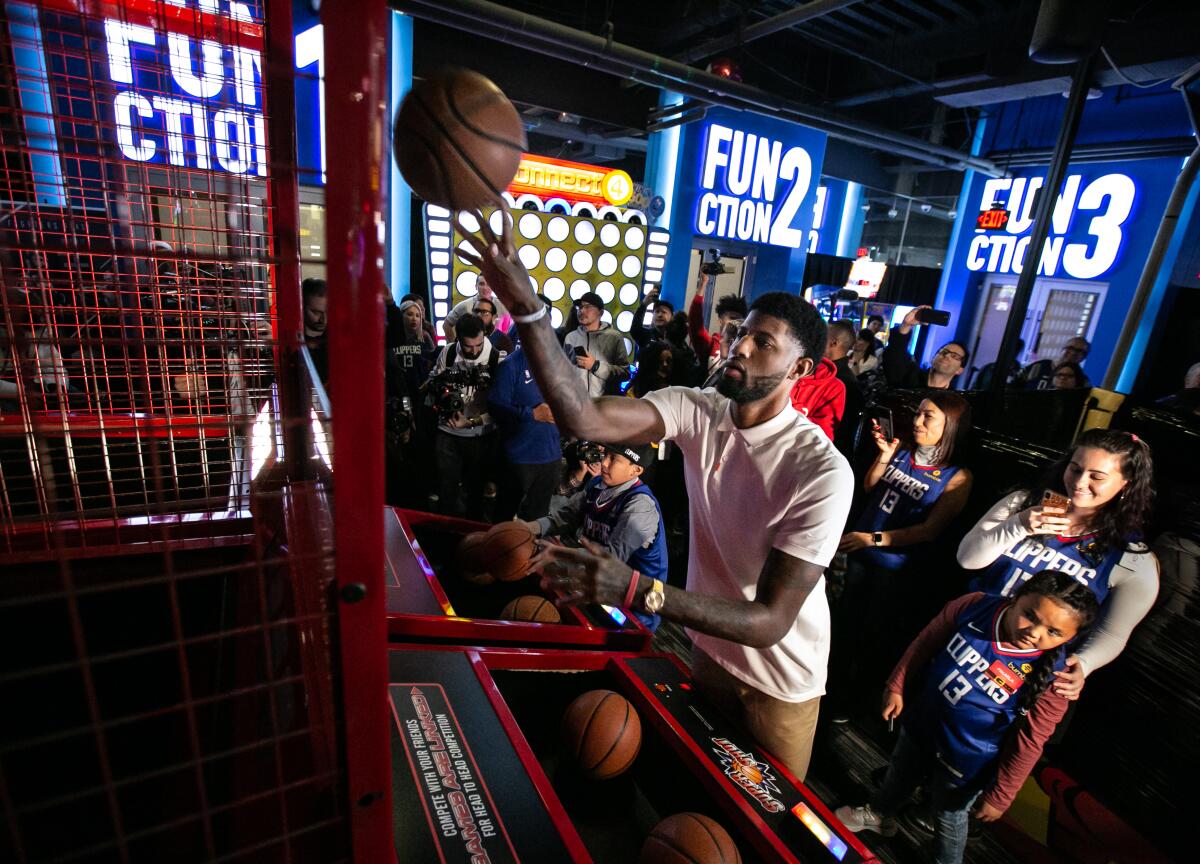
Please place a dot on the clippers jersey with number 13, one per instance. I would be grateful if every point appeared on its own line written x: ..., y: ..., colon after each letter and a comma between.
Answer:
x: 902, y: 498
x: 971, y: 691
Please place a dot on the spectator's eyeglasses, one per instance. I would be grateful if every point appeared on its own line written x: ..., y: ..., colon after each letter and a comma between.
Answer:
x: 946, y: 352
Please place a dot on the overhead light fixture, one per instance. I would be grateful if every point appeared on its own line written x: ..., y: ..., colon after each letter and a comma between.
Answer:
x: 726, y: 68
x: 925, y: 208
x: 893, y: 213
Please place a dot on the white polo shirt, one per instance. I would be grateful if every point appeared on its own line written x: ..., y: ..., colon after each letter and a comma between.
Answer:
x: 778, y: 485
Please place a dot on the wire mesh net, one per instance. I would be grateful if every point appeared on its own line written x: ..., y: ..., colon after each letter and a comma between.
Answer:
x: 168, y: 667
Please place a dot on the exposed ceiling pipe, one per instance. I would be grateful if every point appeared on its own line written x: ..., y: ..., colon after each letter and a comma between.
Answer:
x: 783, y: 21
x: 1157, y: 148
x: 556, y: 40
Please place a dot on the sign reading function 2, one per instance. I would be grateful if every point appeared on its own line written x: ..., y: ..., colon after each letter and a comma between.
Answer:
x: 751, y: 188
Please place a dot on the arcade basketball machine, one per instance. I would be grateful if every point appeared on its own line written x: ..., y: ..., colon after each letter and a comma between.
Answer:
x: 196, y: 663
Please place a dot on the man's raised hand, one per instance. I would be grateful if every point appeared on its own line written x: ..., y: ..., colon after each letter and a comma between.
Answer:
x: 496, y: 257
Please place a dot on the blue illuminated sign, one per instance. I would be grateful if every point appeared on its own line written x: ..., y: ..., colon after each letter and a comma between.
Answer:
x: 1088, y: 230
x: 309, y: 45
x: 189, y: 101
x: 758, y: 187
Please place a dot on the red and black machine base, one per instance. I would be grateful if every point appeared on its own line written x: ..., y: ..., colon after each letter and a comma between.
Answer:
x: 479, y: 775
x: 426, y: 601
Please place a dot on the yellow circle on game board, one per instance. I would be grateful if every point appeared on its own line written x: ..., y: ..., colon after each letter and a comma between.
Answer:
x: 617, y: 187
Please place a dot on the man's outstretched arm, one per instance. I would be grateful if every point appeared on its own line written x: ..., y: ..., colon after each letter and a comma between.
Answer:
x: 611, y: 418
x: 784, y: 584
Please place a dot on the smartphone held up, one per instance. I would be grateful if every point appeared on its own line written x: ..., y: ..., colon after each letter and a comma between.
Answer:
x: 1056, y: 501
x: 937, y: 317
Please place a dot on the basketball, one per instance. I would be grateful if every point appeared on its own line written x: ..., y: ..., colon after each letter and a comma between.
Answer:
x: 471, y: 561
x: 689, y: 838
x: 505, y: 551
x: 458, y: 140
x: 602, y: 733
x: 531, y: 607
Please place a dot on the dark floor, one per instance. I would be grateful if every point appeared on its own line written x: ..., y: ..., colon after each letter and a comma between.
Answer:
x: 844, y: 759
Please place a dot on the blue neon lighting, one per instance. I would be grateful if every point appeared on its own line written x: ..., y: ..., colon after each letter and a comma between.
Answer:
x: 37, y: 111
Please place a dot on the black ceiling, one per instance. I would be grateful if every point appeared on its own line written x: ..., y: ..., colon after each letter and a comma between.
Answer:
x: 920, y: 67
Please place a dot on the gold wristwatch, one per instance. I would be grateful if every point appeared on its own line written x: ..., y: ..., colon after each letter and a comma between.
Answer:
x: 653, y: 601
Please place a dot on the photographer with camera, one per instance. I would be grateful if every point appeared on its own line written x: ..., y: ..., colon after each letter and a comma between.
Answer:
x: 465, y: 443
x: 901, y: 370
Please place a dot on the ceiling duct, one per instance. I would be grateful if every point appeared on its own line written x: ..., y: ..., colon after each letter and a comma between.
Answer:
x: 492, y: 21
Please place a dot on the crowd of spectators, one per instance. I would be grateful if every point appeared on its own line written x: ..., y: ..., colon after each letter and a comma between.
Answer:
x: 470, y: 433
x: 500, y: 443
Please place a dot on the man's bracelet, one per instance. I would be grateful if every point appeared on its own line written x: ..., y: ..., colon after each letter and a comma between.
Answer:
x: 532, y: 316
x: 634, y: 578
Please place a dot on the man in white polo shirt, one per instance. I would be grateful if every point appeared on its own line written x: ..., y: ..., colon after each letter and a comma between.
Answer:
x: 768, y: 498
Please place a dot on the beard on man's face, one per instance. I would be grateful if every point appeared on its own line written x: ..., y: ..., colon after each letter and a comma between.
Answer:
x: 744, y: 389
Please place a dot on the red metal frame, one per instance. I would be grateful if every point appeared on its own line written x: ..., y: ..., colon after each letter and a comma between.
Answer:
x: 760, y: 834
x: 576, y: 631
x: 356, y: 84
x: 126, y: 426
x: 537, y: 776
x: 94, y: 538
x: 763, y: 837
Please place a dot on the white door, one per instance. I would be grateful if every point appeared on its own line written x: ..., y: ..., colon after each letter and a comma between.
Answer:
x: 729, y: 282
x: 1059, y: 309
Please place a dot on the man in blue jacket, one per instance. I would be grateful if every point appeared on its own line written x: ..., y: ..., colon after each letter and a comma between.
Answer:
x: 529, y: 439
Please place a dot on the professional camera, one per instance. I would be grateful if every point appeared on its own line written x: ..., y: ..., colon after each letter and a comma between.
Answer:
x: 448, y: 388
x: 589, y: 452
x: 713, y: 267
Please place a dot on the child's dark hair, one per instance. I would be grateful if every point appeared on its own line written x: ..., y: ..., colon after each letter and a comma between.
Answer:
x: 1066, y: 591
x: 1120, y: 522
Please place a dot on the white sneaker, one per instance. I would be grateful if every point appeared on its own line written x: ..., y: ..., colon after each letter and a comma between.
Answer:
x: 864, y: 818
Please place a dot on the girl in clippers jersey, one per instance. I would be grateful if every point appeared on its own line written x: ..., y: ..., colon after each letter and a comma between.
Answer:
x: 1096, y: 539
x: 976, y: 710
x: 914, y: 491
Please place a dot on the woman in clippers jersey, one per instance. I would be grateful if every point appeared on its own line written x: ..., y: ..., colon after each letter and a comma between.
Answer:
x: 1097, y: 539
x: 980, y: 714
x: 914, y: 492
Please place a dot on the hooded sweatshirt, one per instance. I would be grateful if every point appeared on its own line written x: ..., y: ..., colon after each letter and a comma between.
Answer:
x: 607, y: 345
x: 821, y: 397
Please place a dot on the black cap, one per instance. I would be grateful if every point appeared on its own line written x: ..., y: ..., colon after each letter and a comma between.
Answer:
x: 639, y: 454
x: 592, y: 299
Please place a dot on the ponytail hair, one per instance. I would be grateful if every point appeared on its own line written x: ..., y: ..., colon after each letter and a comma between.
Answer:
x: 1065, y: 591
x: 1121, y: 522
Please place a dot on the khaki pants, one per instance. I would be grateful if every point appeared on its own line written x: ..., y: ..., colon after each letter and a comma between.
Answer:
x: 785, y: 729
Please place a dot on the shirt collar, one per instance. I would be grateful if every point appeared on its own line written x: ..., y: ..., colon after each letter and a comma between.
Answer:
x: 761, y: 433
x: 607, y: 493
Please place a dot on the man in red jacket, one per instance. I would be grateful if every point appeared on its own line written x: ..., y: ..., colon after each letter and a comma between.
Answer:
x: 730, y: 307
x: 821, y: 397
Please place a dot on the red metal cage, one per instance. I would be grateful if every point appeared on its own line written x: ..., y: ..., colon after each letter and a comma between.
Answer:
x: 190, y: 672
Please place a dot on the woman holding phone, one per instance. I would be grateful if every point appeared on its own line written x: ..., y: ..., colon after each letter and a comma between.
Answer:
x: 1085, y: 519
x: 914, y: 491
